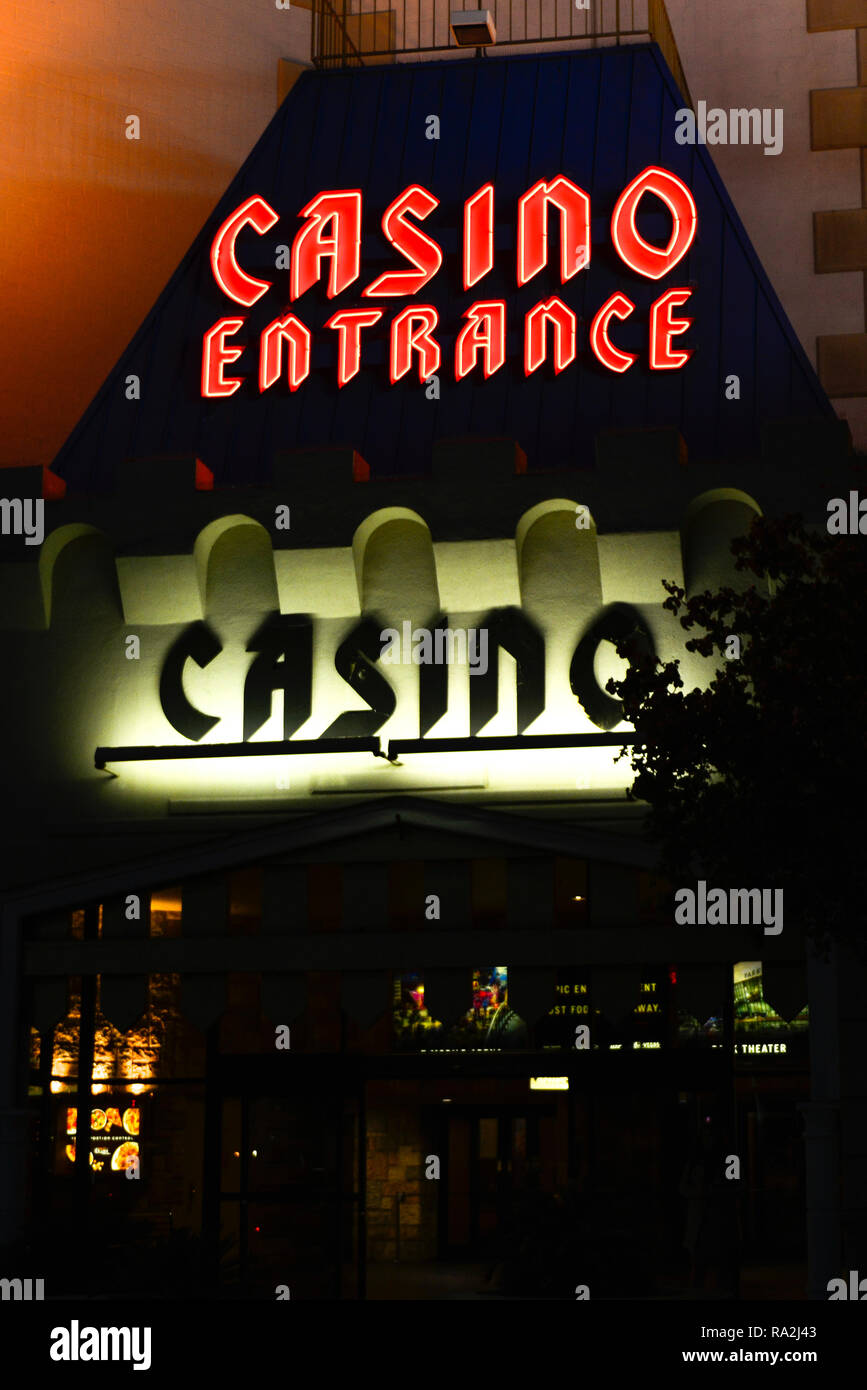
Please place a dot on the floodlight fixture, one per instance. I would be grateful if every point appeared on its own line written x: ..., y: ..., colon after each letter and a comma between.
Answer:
x: 472, y: 28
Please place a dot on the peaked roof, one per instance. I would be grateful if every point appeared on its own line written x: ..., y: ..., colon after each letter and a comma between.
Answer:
x: 302, y: 833
x: 600, y: 117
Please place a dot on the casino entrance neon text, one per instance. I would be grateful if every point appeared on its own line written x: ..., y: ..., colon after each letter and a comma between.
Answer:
x: 330, y: 239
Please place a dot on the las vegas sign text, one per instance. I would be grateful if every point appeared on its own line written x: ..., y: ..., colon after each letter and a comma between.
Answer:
x: 332, y: 233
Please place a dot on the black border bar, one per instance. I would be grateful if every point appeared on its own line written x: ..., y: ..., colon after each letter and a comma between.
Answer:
x: 291, y: 747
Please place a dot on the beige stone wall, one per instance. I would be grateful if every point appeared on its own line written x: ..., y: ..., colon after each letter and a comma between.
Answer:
x: 839, y: 121
x: 775, y: 54
x: 395, y: 1164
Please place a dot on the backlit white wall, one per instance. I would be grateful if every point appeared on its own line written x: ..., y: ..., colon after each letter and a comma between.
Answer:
x: 82, y: 691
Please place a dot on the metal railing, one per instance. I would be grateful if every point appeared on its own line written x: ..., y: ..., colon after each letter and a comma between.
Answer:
x: 356, y: 33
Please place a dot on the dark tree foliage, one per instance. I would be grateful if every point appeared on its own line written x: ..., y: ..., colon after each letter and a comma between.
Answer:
x: 758, y: 780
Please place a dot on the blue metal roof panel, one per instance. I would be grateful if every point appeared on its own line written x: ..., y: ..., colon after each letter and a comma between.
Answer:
x: 599, y: 117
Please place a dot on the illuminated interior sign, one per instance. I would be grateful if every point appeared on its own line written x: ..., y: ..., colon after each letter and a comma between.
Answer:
x: 114, y: 1136
x: 331, y: 240
x: 758, y: 1026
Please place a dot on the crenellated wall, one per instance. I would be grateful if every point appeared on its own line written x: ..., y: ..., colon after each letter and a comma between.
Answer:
x: 94, y: 622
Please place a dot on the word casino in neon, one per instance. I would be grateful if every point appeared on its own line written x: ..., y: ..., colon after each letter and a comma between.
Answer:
x: 332, y: 233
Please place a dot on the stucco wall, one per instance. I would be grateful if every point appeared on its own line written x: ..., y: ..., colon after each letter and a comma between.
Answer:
x: 93, y: 224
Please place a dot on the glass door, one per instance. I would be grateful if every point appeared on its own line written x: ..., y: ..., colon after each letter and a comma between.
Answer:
x: 506, y: 1152
x: 288, y: 1200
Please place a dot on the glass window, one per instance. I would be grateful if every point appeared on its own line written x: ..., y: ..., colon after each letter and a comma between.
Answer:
x: 413, y: 1025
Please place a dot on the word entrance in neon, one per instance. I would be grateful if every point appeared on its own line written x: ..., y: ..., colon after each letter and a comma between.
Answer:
x: 331, y: 236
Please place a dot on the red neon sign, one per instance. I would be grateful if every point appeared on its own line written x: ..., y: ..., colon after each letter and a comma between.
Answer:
x: 574, y: 207
x: 291, y: 331
x: 637, y: 253
x: 418, y: 248
x: 233, y: 281
x: 332, y: 233
x: 478, y: 235
x: 215, y: 355
x: 618, y: 306
x: 484, y: 332
x: 349, y: 323
x: 554, y: 312
x: 342, y: 245
x: 663, y: 328
x: 411, y: 332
